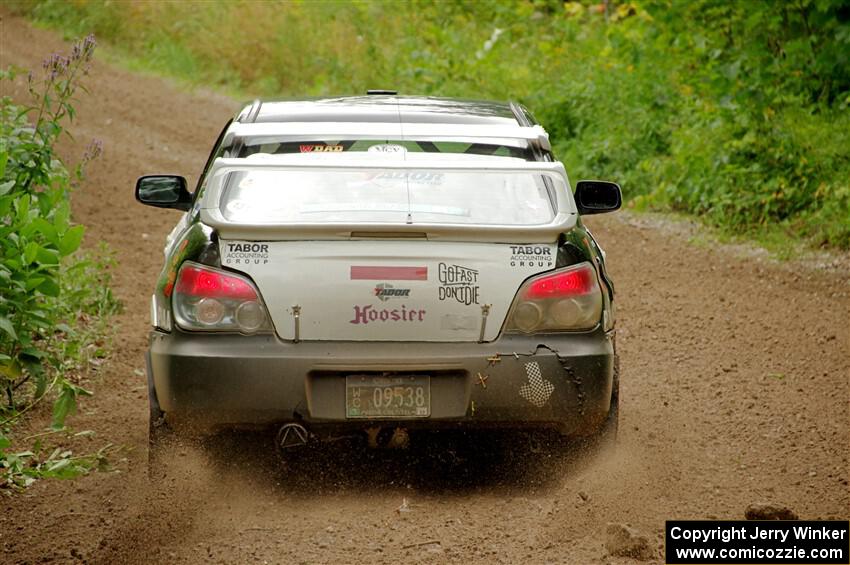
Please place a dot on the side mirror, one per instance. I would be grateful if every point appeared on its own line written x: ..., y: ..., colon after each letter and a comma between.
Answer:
x: 164, y: 191
x: 597, y: 196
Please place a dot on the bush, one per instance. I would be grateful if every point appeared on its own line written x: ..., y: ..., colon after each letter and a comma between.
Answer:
x: 737, y: 112
x: 44, y: 286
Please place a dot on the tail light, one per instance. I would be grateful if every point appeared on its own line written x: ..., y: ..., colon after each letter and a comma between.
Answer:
x: 568, y: 299
x: 207, y: 299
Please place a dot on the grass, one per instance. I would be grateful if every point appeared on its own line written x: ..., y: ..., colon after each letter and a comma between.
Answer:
x: 683, y: 103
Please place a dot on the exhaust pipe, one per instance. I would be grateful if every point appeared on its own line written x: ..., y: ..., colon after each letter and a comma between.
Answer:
x: 399, y: 440
x: 292, y: 436
x: 380, y: 438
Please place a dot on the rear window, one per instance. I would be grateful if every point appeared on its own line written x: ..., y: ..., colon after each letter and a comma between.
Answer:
x: 406, y: 196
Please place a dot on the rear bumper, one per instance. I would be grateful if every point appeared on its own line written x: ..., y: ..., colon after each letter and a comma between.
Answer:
x: 261, y: 380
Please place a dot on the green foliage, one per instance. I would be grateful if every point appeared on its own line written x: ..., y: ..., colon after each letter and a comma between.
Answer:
x: 47, y: 289
x: 87, y: 304
x: 22, y: 468
x: 760, y: 134
x: 36, y: 232
x: 738, y: 112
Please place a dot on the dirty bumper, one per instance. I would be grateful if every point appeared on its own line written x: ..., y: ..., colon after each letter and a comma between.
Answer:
x: 560, y: 381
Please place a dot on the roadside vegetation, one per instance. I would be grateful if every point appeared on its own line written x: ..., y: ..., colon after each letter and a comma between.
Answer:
x: 54, y: 299
x: 735, y: 112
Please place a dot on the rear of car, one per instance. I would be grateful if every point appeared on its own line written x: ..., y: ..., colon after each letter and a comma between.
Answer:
x: 378, y: 285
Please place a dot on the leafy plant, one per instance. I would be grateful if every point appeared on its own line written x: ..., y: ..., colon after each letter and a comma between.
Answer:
x: 36, y: 232
x: 22, y: 468
x: 46, y: 288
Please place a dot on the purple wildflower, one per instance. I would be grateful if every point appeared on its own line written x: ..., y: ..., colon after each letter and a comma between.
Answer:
x: 94, y: 150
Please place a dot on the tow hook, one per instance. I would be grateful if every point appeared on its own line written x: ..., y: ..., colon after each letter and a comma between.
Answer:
x: 291, y: 436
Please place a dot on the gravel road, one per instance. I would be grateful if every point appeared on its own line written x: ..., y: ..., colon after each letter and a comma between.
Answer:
x: 734, y: 391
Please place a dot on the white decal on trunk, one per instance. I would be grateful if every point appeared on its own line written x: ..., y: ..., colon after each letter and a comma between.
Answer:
x: 456, y: 322
x: 245, y: 253
x: 532, y: 256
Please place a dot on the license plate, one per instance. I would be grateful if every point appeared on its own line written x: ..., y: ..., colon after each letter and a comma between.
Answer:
x: 372, y: 396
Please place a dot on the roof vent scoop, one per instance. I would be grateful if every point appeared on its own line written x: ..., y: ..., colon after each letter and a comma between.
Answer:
x: 380, y: 91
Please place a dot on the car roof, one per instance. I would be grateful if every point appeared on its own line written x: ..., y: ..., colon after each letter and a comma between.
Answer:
x: 383, y: 108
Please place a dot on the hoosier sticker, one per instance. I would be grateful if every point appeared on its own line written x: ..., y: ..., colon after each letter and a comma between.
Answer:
x: 532, y: 256
x: 368, y: 313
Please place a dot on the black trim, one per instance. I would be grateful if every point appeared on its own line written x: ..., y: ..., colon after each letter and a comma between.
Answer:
x: 482, y: 149
x: 587, y: 197
x: 182, y: 201
x: 212, y: 156
x: 427, y: 146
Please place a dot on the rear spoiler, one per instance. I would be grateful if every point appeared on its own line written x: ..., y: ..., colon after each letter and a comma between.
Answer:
x: 564, y: 220
x: 240, y: 133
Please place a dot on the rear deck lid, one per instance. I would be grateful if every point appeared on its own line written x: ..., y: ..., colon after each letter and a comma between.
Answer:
x: 387, y: 246
x: 371, y: 290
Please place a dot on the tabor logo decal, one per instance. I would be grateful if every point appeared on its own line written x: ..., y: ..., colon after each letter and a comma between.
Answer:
x: 458, y: 283
x: 246, y: 253
x: 531, y: 256
x: 368, y: 313
x: 385, y: 291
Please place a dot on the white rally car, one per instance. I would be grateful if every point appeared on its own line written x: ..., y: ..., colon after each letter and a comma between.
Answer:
x: 382, y: 262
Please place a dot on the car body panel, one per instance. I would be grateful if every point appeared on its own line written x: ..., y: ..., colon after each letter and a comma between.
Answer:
x: 559, y: 381
x: 378, y: 290
x: 555, y: 380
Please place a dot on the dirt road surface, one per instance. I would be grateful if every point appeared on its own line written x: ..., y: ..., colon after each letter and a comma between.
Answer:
x: 734, y: 388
